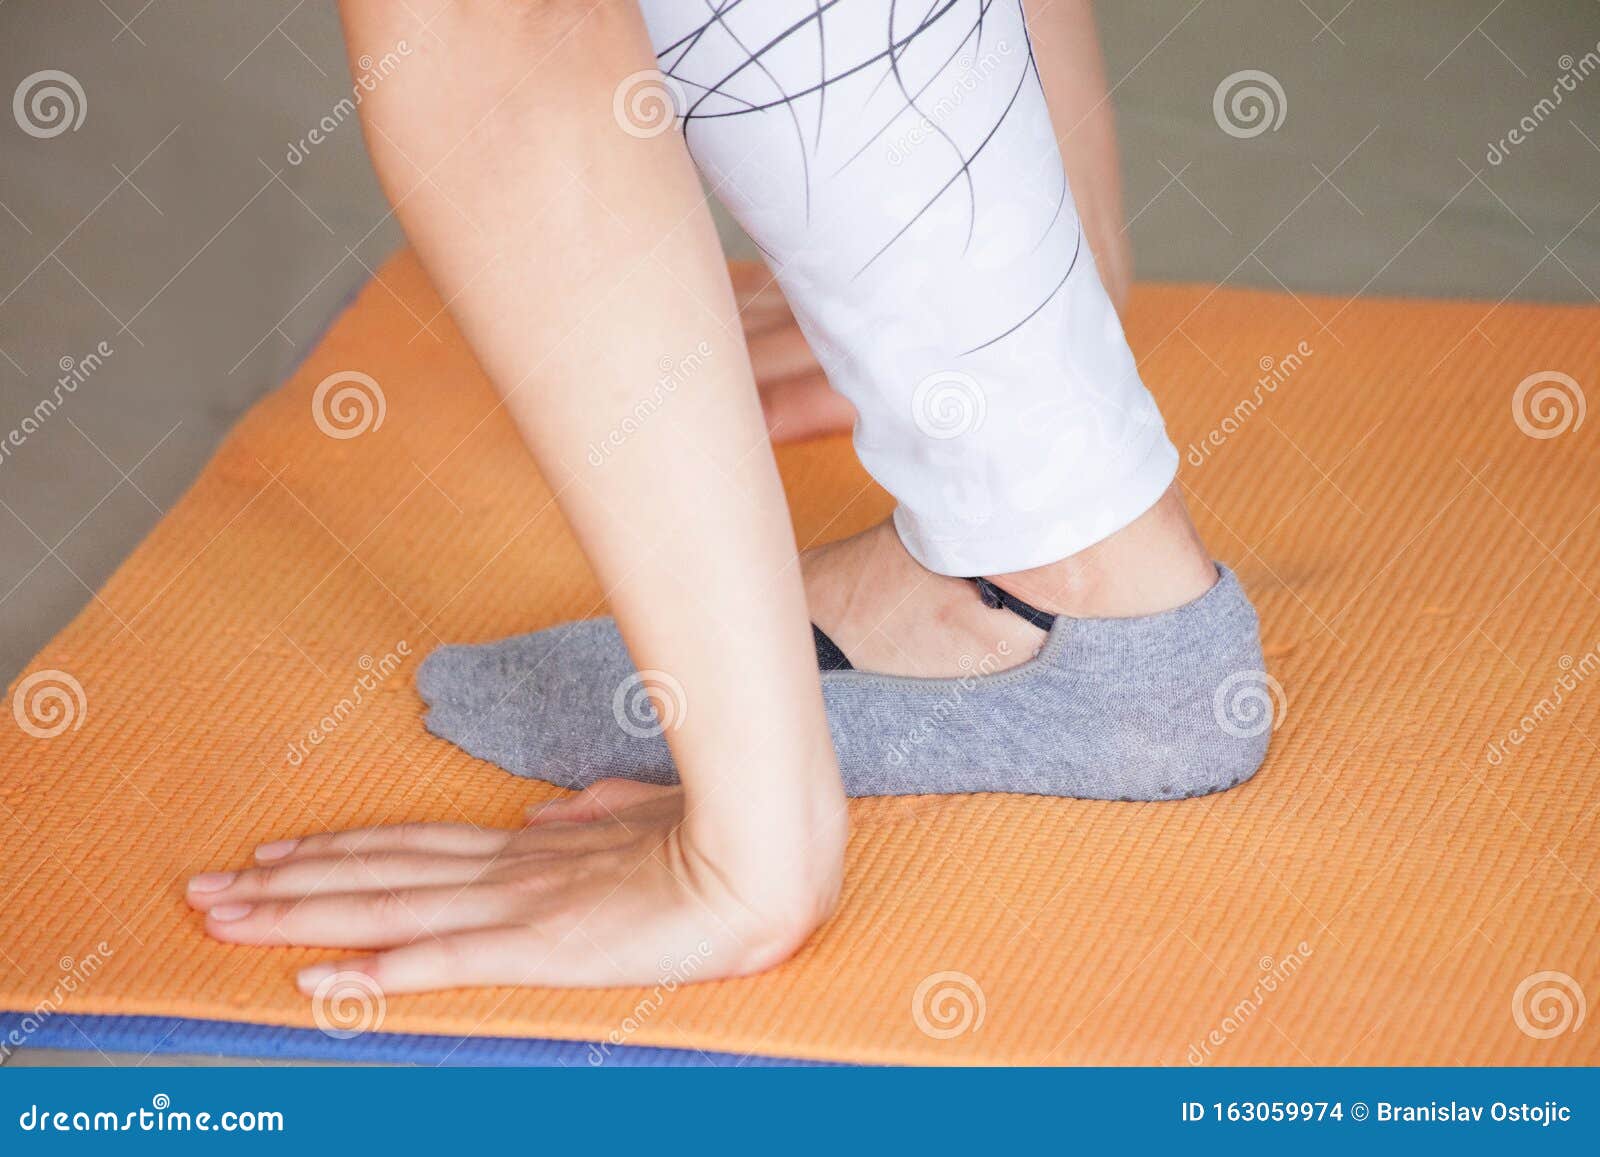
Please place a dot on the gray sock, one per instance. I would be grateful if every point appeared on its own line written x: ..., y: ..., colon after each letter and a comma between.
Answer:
x: 1160, y: 707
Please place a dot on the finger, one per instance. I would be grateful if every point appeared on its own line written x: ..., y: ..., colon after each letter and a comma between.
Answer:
x: 759, y: 319
x: 746, y: 275
x: 763, y: 315
x: 444, y: 839
x: 346, y: 872
x: 756, y: 293
x: 363, y: 919
x: 781, y: 353
x: 482, y: 958
x: 805, y: 407
x: 602, y: 799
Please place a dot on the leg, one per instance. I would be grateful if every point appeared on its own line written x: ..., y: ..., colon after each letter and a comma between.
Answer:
x: 795, y: 393
x: 928, y: 242
x: 901, y: 173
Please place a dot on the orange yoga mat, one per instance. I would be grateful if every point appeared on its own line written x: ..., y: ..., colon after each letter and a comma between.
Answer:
x: 1408, y: 490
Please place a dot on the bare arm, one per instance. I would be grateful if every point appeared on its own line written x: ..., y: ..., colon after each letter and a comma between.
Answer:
x: 576, y: 258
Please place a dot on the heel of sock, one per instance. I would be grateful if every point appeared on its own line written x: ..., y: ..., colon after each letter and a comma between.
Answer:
x: 1234, y: 704
x: 1205, y: 706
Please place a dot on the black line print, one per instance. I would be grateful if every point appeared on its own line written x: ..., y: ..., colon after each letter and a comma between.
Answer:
x: 694, y: 114
x: 1061, y: 197
x: 911, y: 104
x: 927, y: 18
x: 822, y: 70
x: 926, y: 85
x: 788, y: 104
x: 1071, y: 265
x: 693, y: 38
x: 676, y: 59
x: 688, y: 44
x: 1004, y: 113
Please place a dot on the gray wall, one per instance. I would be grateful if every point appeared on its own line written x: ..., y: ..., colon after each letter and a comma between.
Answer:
x: 171, y: 226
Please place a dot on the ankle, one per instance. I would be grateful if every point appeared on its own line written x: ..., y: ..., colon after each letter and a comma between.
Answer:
x: 1155, y: 563
x: 892, y: 616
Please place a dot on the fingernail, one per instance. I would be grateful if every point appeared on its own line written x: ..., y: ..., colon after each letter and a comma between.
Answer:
x: 309, y: 978
x: 276, y: 850
x: 227, y: 912
x: 210, y: 881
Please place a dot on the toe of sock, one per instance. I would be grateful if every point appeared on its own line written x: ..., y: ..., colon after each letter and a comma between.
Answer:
x: 544, y: 705
x: 465, y: 675
x: 444, y: 676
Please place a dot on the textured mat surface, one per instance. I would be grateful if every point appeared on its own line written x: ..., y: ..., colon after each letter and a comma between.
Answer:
x: 1404, y: 882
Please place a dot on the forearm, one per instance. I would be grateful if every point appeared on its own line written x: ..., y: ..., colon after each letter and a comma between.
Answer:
x: 578, y: 260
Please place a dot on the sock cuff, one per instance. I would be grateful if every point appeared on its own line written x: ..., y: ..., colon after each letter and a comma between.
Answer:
x: 1138, y: 649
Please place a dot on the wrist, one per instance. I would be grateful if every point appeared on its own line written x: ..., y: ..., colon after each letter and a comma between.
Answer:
x: 777, y: 871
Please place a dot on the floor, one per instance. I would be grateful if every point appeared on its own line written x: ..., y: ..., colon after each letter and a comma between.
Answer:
x: 172, y: 257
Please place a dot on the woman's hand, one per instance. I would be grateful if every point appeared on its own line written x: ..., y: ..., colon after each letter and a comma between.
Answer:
x: 602, y: 888
x: 520, y: 192
x: 796, y: 399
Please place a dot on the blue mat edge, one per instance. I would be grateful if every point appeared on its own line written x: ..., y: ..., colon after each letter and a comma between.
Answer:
x: 166, y: 1036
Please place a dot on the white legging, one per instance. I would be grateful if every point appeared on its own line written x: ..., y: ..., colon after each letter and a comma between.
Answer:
x: 895, y: 162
